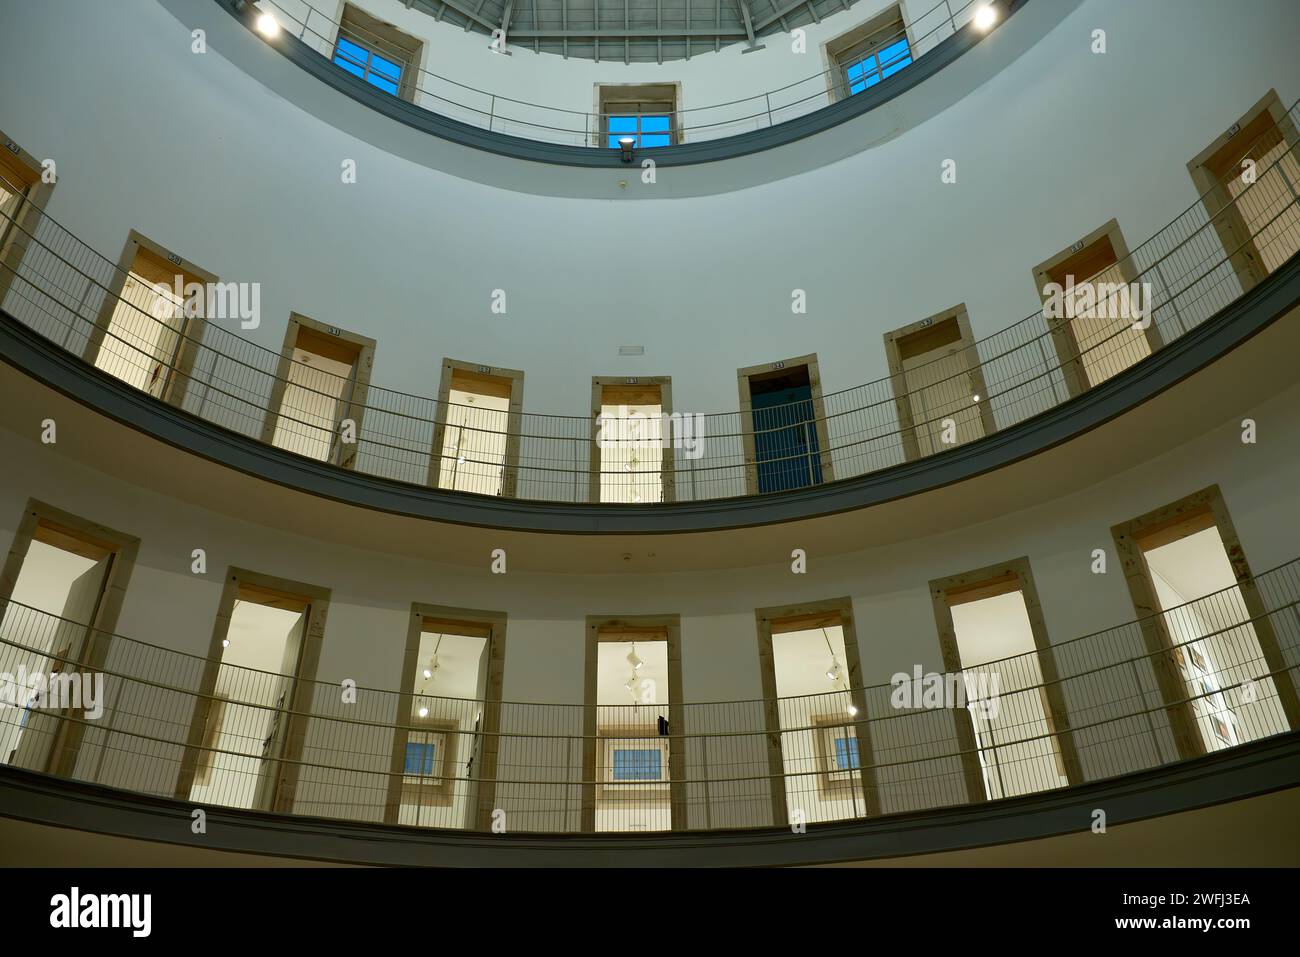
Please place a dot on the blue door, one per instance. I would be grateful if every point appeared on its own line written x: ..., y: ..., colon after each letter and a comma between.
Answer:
x: 785, y: 438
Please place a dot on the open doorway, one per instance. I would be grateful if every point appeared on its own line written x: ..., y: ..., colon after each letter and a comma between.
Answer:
x: 1213, y: 643
x: 318, y: 398
x: 148, y: 332
x: 1010, y: 710
x: 476, y: 438
x: 820, y: 754
x: 633, y: 773
x: 783, y: 422
x: 631, y: 452
x: 63, y: 586
x: 23, y: 194
x: 937, y: 379
x: 1102, y: 336
x: 445, y: 749
x: 1249, y: 181
x: 246, y: 733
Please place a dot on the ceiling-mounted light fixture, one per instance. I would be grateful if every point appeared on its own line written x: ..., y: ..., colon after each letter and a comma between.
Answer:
x: 833, y: 672
x: 268, y: 26
x: 853, y: 710
x: 985, y: 17
x: 975, y: 397
x: 225, y: 642
x: 423, y: 712
x: 634, y: 659
x: 625, y: 144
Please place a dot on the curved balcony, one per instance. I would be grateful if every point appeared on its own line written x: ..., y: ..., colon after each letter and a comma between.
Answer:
x: 286, y: 762
x: 512, y: 126
x: 987, y: 403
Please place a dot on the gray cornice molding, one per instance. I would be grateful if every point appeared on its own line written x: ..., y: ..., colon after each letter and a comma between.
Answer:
x: 45, y: 362
x: 685, y: 154
x: 1260, y: 767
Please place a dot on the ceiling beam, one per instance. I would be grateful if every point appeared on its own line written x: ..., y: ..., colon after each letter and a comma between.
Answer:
x: 649, y: 33
x: 780, y: 13
x: 749, y: 25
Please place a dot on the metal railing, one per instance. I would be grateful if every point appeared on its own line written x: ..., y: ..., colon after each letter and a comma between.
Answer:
x: 504, y: 114
x: 845, y: 754
x: 82, y: 301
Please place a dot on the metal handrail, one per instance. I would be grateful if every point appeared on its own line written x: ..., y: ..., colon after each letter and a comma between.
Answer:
x: 149, y: 716
x: 327, y: 30
x: 1186, y: 261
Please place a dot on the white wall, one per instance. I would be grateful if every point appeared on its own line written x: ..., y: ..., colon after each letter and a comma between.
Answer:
x: 204, y: 159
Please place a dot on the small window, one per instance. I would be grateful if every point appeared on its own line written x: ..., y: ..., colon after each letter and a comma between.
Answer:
x: 377, y: 52
x: 646, y: 114
x: 870, y: 53
x: 420, y: 757
x: 846, y: 754
x: 642, y: 764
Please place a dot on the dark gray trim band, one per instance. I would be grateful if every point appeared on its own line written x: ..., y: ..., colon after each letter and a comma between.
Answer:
x: 45, y: 362
x: 1261, y: 767
x: 685, y: 154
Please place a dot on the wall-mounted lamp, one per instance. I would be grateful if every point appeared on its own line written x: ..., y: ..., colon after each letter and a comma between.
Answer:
x: 268, y: 26
x: 625, y: 144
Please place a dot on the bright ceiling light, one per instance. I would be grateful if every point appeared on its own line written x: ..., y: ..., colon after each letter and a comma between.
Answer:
x: 985, y: 17
x: 833, y: 673
x: 268, y: 26
x: 225, y: 642
x: 428, y: 673
x: 853, y: 711
x: 423, y: 712
x: 975, y: 397
x: 634, y: 659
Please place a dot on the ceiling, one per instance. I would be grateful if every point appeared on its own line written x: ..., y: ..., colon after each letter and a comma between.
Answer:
x: 632, y: 31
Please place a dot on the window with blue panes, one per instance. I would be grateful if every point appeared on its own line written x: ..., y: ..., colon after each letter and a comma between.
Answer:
x: 376, y: 69
x: 420, y: 757
x: 648, y: 124
x: 640, y: 764
x: 865, y: 70
x: 846, y: 754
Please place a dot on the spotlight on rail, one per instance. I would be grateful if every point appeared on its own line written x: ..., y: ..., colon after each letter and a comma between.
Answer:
x: 625, y: 145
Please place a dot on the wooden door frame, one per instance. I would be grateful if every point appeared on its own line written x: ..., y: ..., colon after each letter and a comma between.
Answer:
x: 1176, y: 520
x: 781, y: 619
x: 1065, y: 341
x: 353, y: 400
x: 1221, y: 209
x: 28, y: 216
x: 191, y: 328
x: 667, y: 469
x: 987, y: 582
x: 898, y: 376
x: 743, y: 377
x: 297, y: 708
x: 662, y: 628
x: 492, y: 626
x: 92, y: 656
x: 514, y: 419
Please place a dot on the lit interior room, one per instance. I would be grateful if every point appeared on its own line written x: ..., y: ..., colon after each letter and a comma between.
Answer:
x: 904, y: 482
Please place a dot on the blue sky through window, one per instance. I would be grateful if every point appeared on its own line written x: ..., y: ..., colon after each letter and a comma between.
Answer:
x: 878, y: 65
x: 646, y: 128
x: 376, y: 70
